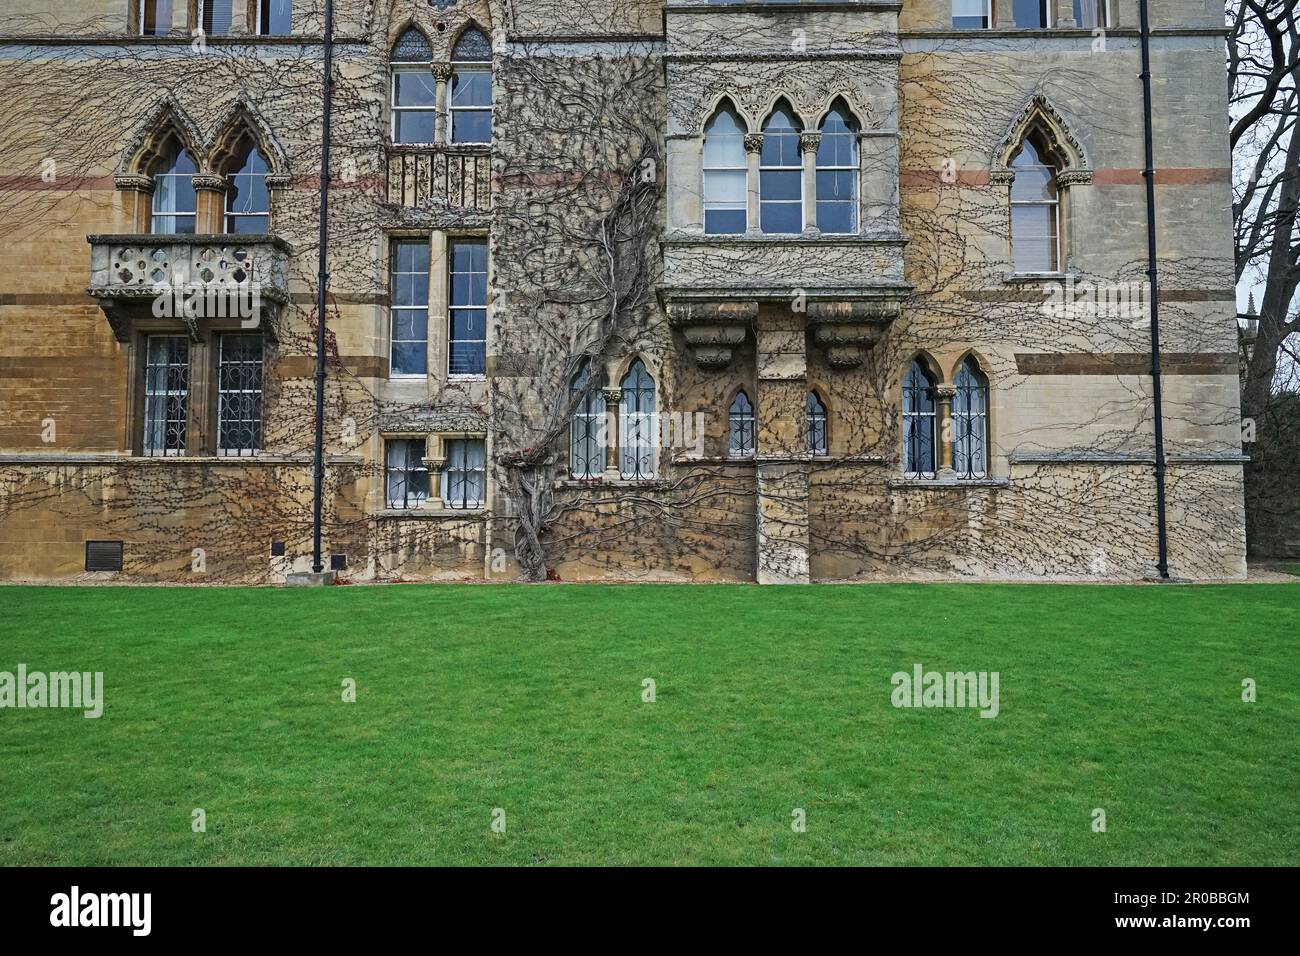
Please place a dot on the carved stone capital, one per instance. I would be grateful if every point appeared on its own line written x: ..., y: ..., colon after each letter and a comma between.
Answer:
x: 945, y: 393
x: 143, y: 184
x: 216, y: 184
x: 612, y: 396
x: 434, y: 464
x: 278, y: 180
x: 809, y: 142
x: 441, y: 71
x: 753, y: 142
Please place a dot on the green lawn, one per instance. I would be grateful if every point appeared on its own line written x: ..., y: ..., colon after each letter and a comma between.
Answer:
x: 471, y: 698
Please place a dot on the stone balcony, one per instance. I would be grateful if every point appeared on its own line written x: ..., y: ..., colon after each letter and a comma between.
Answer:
x: 453, y: 177
x: 848, y: 289
x: 131, y: 274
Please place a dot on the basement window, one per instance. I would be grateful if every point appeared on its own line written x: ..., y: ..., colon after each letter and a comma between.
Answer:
x: 103, y: 555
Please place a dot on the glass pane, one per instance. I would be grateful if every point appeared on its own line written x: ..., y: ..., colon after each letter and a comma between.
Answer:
x: 1090, y: 14
x: 970, y: 14
x: 725, y: 187
x: 471, y: 126
x: 412, y: 257
x: 783, y: 185
x: 156, y: 17
x: 836, y: 217
x: 1030, y: 13
x: 467, y: 358
x: 469, y: 257
x: 468, y: 324
x: 721, y: 222
x: 1033, y: 238
x: 414, y: 127
x: 409, y: 358
x: 724, y: 141
x: 471, y: 88
x: 414, y: 88
x: 836, y: 185
x: 1034, y: 182
x: 782, y: 217
x: 780, y: 149
x: 411, y: 288
x: 249, y: 225
x: 410, y: 325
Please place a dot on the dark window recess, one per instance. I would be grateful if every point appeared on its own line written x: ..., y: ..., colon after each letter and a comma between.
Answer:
x: 103, y: 555
x: 338, y: 562
x: 277, y: 549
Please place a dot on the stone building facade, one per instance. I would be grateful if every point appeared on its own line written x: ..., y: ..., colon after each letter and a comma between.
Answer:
x: 621, y: 289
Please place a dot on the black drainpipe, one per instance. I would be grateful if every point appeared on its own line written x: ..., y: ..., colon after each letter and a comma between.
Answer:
x: 1149, y: 174
x: 322, y: 280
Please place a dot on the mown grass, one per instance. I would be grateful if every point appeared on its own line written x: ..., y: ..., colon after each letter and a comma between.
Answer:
x: 529, y: 699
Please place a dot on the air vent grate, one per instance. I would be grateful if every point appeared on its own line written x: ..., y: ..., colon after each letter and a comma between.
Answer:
x: 103, y: 555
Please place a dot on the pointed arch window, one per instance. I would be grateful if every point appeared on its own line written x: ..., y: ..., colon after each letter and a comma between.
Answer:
x: 970, y: 417
x: 414, y: 90
x: 816, y: 424
x: 637, y: 423
x: 248, y: 201
x: 1035, y: 209
x: 740, y: 427
x: 587, y: 427
x: 471, y: 88
x: 780, y: 173
x: 918, y: 422
x: 725, y: 174
x: 174, y: 201
x: 837, y: 172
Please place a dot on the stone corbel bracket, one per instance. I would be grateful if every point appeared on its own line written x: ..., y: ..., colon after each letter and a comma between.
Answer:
x: 713, y: 330
x: 846, y: 331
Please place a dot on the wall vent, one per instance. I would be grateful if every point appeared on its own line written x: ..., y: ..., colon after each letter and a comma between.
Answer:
x: 338, y: 562
x: 103, y: 555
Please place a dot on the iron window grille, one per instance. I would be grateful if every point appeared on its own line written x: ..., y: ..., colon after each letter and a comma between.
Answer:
x: 587, y: 427
x: 464, y: 476
x: 918, y: 423
x: 239, y: 394
x: 406, y: 475
x: 637, y: 423
x: 166, y: 394
x: 816, y: 422
x: 467, y: 314
x: 970, y: 422
x: 740, y: 427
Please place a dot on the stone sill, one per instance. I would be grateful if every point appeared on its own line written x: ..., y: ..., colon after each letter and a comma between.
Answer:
x: 455, y: 149
x: 1077, y: 458
x: 1031, y: 33
x: 618, y: 484
x: 949, y: 483
x: 1026, y: 278
x: 436, y: 514
x: 791, y: 6
x: 683, y: 238
x: 113, y: 458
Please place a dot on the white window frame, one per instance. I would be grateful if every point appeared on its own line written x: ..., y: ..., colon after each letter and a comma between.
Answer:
x: 796, y: 168
x: 396, y: 111
x: 140, y: 18
x: 203, y: 9
x: 1054, y: 266
x: 468, y: 66
x: 452, y: 241
x: 406, y: 469
x: 988, y: 16
x: 393, y: 310
x: 464, y: 467
x: 742, y: 167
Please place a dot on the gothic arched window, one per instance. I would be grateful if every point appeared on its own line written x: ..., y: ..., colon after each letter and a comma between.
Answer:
x: 1035, y: 209
x: 587, y: 428
x: 725, y: 176
x: 637, y: 422
x: 918, y: 422
x: 414, y: 91
x: 780, y: 173
x: 970, y: 420
x: 740, y: 427
x: 816, y: 424
x: 174, y: 200
x: 471, y: 88
x: 248, y: 202
x: 837, y: 172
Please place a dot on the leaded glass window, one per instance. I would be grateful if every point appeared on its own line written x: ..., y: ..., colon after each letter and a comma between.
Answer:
x: 740, y: 427
x: 970, y: 407
x: 816, y: 424
x: 464, y: 475
x: 637, y: 423
x: 166, y: 394
x: 587, y: 428
x: 918, y: 423
x: 405, y: 473
x: 239, y: 394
